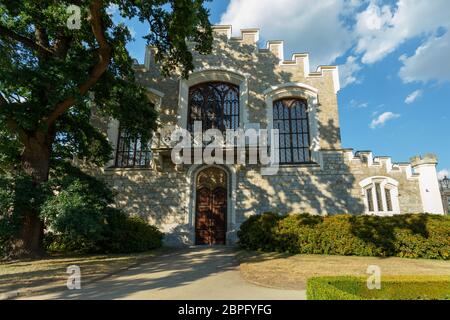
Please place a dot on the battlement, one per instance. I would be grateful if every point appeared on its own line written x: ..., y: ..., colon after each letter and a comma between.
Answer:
x: 367, y: 158
x: 276, y: 47
x: 427, y: 159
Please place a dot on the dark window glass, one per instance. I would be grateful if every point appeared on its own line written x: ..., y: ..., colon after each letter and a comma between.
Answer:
x: 290, y: 117
x: 215, y: 105
x: 379, y: 199
x: 370, y: 199
x: 388, y: 199
x: 132, y: 152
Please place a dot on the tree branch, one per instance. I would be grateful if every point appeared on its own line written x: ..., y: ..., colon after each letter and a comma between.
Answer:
x: 62, y: 45
x: 24, y: 40
x: 11, y: 124
x: 3, y: 100
x: 104, y: 58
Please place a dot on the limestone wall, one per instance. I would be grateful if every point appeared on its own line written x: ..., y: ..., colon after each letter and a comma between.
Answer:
x: 263, y: 69
x: 164, y: 194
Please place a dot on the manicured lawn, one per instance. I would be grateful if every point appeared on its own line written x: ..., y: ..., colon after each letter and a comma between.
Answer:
x: 392, y: 288
x: 51, y: 272
x: 292, y: 271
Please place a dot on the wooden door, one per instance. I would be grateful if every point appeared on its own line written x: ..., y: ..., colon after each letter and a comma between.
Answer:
x: 211, y: 216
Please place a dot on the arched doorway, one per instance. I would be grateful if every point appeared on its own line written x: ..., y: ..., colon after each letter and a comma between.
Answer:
x: 211, y: 207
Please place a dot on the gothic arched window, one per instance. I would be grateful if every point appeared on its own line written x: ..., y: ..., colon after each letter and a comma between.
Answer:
x: 215, y: 105
x: 380, y: 195
x: 290, y: 117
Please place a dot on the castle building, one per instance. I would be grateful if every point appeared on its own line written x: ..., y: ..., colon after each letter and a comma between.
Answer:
x: 445, y: 191
x: 242, y: 86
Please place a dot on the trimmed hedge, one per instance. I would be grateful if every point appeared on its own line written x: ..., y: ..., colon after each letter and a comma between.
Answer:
x: 408, y: 236
x: 392, y: 288
x: 119, y: 234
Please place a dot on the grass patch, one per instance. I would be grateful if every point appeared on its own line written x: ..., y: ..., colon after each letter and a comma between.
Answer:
x: 392, y: 288
x: 284, y: 271
x: 34, y: 275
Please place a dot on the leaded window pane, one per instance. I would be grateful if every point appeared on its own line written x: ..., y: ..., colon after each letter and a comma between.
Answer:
x: 290, y: 117
x: 388, y: 199
x: 370, y: 199
x: 215, y: 105
x: 132, y: 152
x: 379, y: 199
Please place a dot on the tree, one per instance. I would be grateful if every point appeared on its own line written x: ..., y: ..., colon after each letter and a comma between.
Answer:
x: 53, y: 71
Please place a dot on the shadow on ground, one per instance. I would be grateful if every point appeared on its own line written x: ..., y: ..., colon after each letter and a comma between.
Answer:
x: 174, y: 269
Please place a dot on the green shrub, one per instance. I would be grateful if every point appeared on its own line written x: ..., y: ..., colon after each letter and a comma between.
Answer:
x: 119, y: 234
x: 257, y: 233
x: 130, y: 234
x: 392, y: 288
x: 77, y: 215
x: 80, y: 218
x: 409, y: 236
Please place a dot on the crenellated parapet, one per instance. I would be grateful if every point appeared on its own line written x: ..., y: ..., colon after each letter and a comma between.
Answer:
x: 276, y: 47
x: 366, y: 158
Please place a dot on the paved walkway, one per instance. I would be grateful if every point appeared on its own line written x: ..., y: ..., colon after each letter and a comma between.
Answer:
x: 189, y: 274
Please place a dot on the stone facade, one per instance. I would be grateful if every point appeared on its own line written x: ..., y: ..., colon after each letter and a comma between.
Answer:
x: 445, y: 191
x: 338, y: 180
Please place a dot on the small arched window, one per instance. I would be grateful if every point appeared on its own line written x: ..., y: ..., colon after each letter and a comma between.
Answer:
x: 290, y: 117
x: 215, y: 105
x: 381, y: 195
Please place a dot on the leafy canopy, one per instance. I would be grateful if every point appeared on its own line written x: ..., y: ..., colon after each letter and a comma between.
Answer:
x: 52, y: 75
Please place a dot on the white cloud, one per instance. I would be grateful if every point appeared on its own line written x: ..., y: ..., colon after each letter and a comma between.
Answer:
x: 381, y: 29
x: 358, y: 104
x: 348, y: 72
x: 382, y: 119
x: 305, y: 25
x: 369, y: 29
x: 132, y: 31
x: 413, y: 96
x: 443, y: 173
x: 112, y: 9
x: 430, y: 61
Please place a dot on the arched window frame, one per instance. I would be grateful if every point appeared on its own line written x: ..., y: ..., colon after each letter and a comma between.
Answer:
x: 227, y: 115
x: 299, y: 132
x: 310, y: 95
x: 383, y: 184
x: 210, y: 75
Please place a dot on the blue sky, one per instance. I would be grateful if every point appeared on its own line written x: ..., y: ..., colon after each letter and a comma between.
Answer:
x: 393, y: 63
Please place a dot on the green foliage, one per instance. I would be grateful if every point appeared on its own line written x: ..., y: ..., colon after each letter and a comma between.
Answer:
x: 44, y: 62
x: 78, y: 212
x: 17, y: 194
x: 53, y: 76
x: 409, y: 236
x: 9, y: 150
x: 80, y: 218
x: 130, y: 234
x: 392, y: 288
x: 118, y: 233
x: 259, y: 230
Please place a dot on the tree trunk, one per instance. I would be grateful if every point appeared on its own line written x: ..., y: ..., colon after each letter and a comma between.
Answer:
x: 36, y: 163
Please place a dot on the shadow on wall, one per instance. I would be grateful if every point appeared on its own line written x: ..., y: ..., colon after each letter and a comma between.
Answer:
x: 327, y: 191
